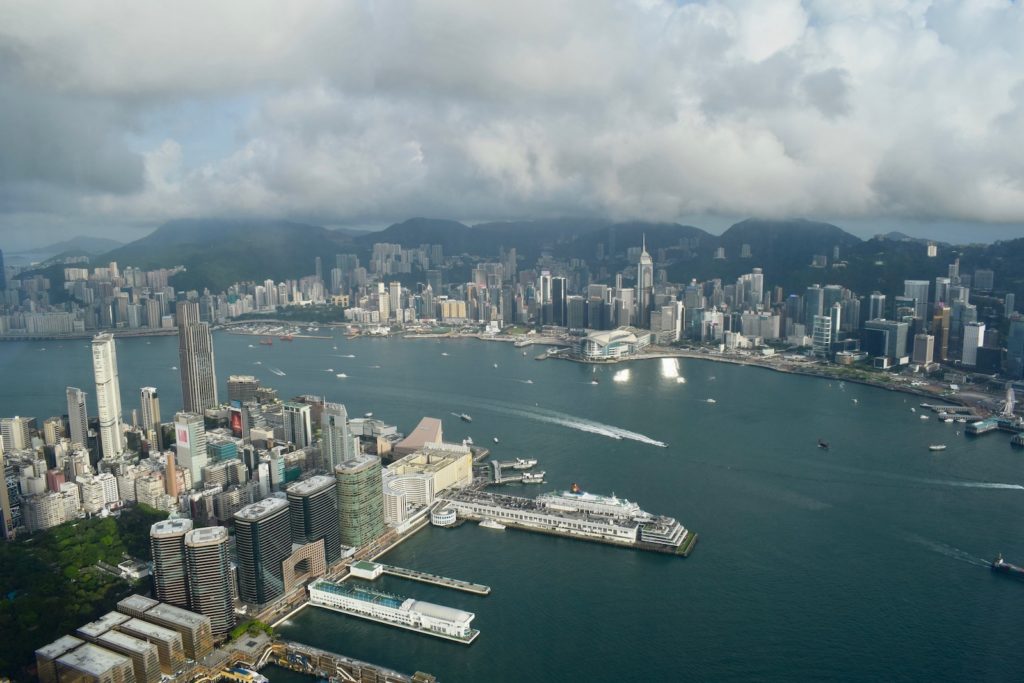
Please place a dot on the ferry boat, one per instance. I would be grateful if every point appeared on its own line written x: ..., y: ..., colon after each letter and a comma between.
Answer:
x: 368, y: 415
x: 711, y: 400
x: 491, y: 524
x: 287, y: 337
x: 924, y: 417
x: 495, y: 439
x: 465, y: 418
x: 937, y: 447
x: 533, y: 477
x: 524, y: 463
x: 267, y: 341
x: 1003, y: 567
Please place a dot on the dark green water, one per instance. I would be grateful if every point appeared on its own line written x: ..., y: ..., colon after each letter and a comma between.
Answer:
x: 866, y: 562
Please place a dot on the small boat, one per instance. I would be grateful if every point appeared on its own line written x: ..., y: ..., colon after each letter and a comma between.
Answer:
x: 937, y: 447
x: 1003, y: 567
x: 524, y: 353
x: 533, y: 477
x: 287, y: 337
x: 174, y: 367
x: 368, y: 415
x: 823, y: 444
x: 524, y: 463
x: 947, y: 420
x: 444, y: 353
x: 855, y: 400
x: 266, y: 342
x: 489, y: 523
x: 468, y: 441
x: 924, y: 417
x: 913, y: 410
x: 465, y: 417
x: 710, y: 400
x: 341, y: 375
x: 495, y: 439
x: 495, y: 365
x: 529, y: 381
x: 594, y: 381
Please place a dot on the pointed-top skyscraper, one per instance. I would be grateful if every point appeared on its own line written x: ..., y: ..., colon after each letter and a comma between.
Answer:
x: 195, y: 349
x: 644, y: 286
x: 108, y: 395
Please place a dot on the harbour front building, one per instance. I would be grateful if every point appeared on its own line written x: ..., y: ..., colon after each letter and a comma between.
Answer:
x: 262, y: 544
x: 613, y: 344
x: 360, y: 500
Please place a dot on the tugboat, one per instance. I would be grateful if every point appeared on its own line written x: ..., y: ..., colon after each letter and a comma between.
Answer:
x: 1003, y: 567
x: 822, y: 444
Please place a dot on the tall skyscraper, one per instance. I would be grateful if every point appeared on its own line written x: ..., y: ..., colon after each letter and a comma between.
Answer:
x: 313, y: 511
x: 15, y: 433
x: 167, y: 546
x: 644, y: 286
x: 3, y: 275
x: 195, y: 350
x: 974, y: 337
x: 262, y: 543
x: 918, y: 290
x: 1015, y: 348
x: 814, y: 305
x: 559, y: 285
x: 209, y: 577
x: 360, y: 500
x: 190, y: 444
x: 297, y: 425
x: 924, y: 348
x: 337, y: 444
x: 876, y: 306
x: 108, y: 395
x: 6, y: 517
x: 395, y: 298
x: 151, y: 417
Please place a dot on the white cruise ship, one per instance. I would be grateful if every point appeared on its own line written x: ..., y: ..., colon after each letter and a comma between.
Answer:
x: 576, y: 499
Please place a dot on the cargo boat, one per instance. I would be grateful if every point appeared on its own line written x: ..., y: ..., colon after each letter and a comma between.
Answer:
x: 1003, y: 567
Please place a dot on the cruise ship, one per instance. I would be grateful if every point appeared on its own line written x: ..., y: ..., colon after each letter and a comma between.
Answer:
x: 578, y: 514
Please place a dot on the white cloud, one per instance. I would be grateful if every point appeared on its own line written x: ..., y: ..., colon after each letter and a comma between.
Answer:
x: 375, y: 111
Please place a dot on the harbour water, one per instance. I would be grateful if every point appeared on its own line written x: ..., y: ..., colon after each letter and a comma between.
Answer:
x: 864, y: 562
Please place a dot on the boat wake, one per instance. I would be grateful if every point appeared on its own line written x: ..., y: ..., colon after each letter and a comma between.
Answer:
x: 949, y: 551
x: 277, y: 371
x: 584, y: 425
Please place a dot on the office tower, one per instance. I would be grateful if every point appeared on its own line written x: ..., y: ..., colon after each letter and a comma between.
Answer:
x: 195, y: 350
x: 15, y: 433
x: 78, y: 419
x: 262, y: 543
x: 940, y: 330
x: 558, y: 295
x: 1015, y: 348
x: 151, y: 417
x: 1009, y: 304
x: 3, y: 275
x: 337, y: 443
x: 167, y: 546
x: 942, y: 290
x: 984, y: 280
x: 313, y: 511
x: 297, y: 426
x: 954, y: 272
x: 814, y: 305
x: 576, y: 312
x: 360, y: 500
x: 190, y: 444
x: 395, y: 298
x: 924, y: 348
x: 918, y: 290
x: 209, y: 577
x: 974, y: 337
x: 644, y: 286
x: 108, y: 395
x: 318, y: 269
x: 6, y: 516
x: 821, y: 336
x: 876, y: 306
x: 242, y: 388
x: 886, y: 338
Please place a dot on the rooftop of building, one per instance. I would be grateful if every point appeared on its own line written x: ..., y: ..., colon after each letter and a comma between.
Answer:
x: 59, y: 647
x: 108, y: 621
x: 359, y: 462
x: 432, y: 457
x: 621, y: 335
x: 365, y: 565
x: 210, y: 535
x: 170, y: 527
x: 152, y: 631
x: 261, y: 510
x: 427, y: 431
x: 176, y: 615
x: 137, y: 603
x: 125, y: 641
x: 93, y: 660
x: 312, y: 485
x: 449, y: 614
x: 295, y: 405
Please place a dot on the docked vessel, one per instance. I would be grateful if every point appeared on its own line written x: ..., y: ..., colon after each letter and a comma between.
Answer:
x: 267, y: 342
x: 524, y: 463
x: 491, y: 524
x: 937, y: 447
x: 239, y: 673
x: 1003, y: 567
x: 1017, y: 440
x: 287, y: 337
x: 533, y: 477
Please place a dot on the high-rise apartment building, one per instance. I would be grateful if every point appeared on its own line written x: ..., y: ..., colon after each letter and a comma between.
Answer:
x: 313, y: 511
x: 209, y: 577
x: 360, y: 500
x: 262, y: 543
x: 78, y: 418
x: 297, y: 424
x: 108, y: 395
x: 170, y: 574
x: 15, y: 433
x: 150, y: 410
x: 195, y: 350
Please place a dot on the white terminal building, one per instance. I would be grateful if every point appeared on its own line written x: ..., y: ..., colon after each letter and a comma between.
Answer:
x: 613, y: 344
x: 414, y: 615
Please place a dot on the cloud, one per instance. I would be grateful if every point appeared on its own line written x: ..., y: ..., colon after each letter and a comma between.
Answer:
x: 368, y: 112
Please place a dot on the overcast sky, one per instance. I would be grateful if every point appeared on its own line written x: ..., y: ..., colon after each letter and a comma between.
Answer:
x: 116, y: 116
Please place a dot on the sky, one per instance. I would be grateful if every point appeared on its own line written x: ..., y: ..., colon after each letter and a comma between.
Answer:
x: 872, y: 114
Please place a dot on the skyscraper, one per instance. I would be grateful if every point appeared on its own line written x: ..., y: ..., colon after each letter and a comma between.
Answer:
x: 814, y: 305
x: 974, y: 337
x: 151, y: 417
x: 108, y: 395
x: 262, y: 543
x: 297, y: 426
x: 360, y: 500
x: 242, y: 388
x: 1015, y: 348
x: 167, y: 546
x: 3, y: 276
x: 918, y: 290
x: 195, y: 350
x: 313, y: 511
x: 644, y: 286
x: 6, y: 517
x: 337, y: 444
x: 209, y: 577
x: 190, y: 444
x: 876, y: 306
x: 558, y: 300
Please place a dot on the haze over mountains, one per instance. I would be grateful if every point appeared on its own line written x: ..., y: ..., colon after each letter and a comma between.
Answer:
x: 218, y: 252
